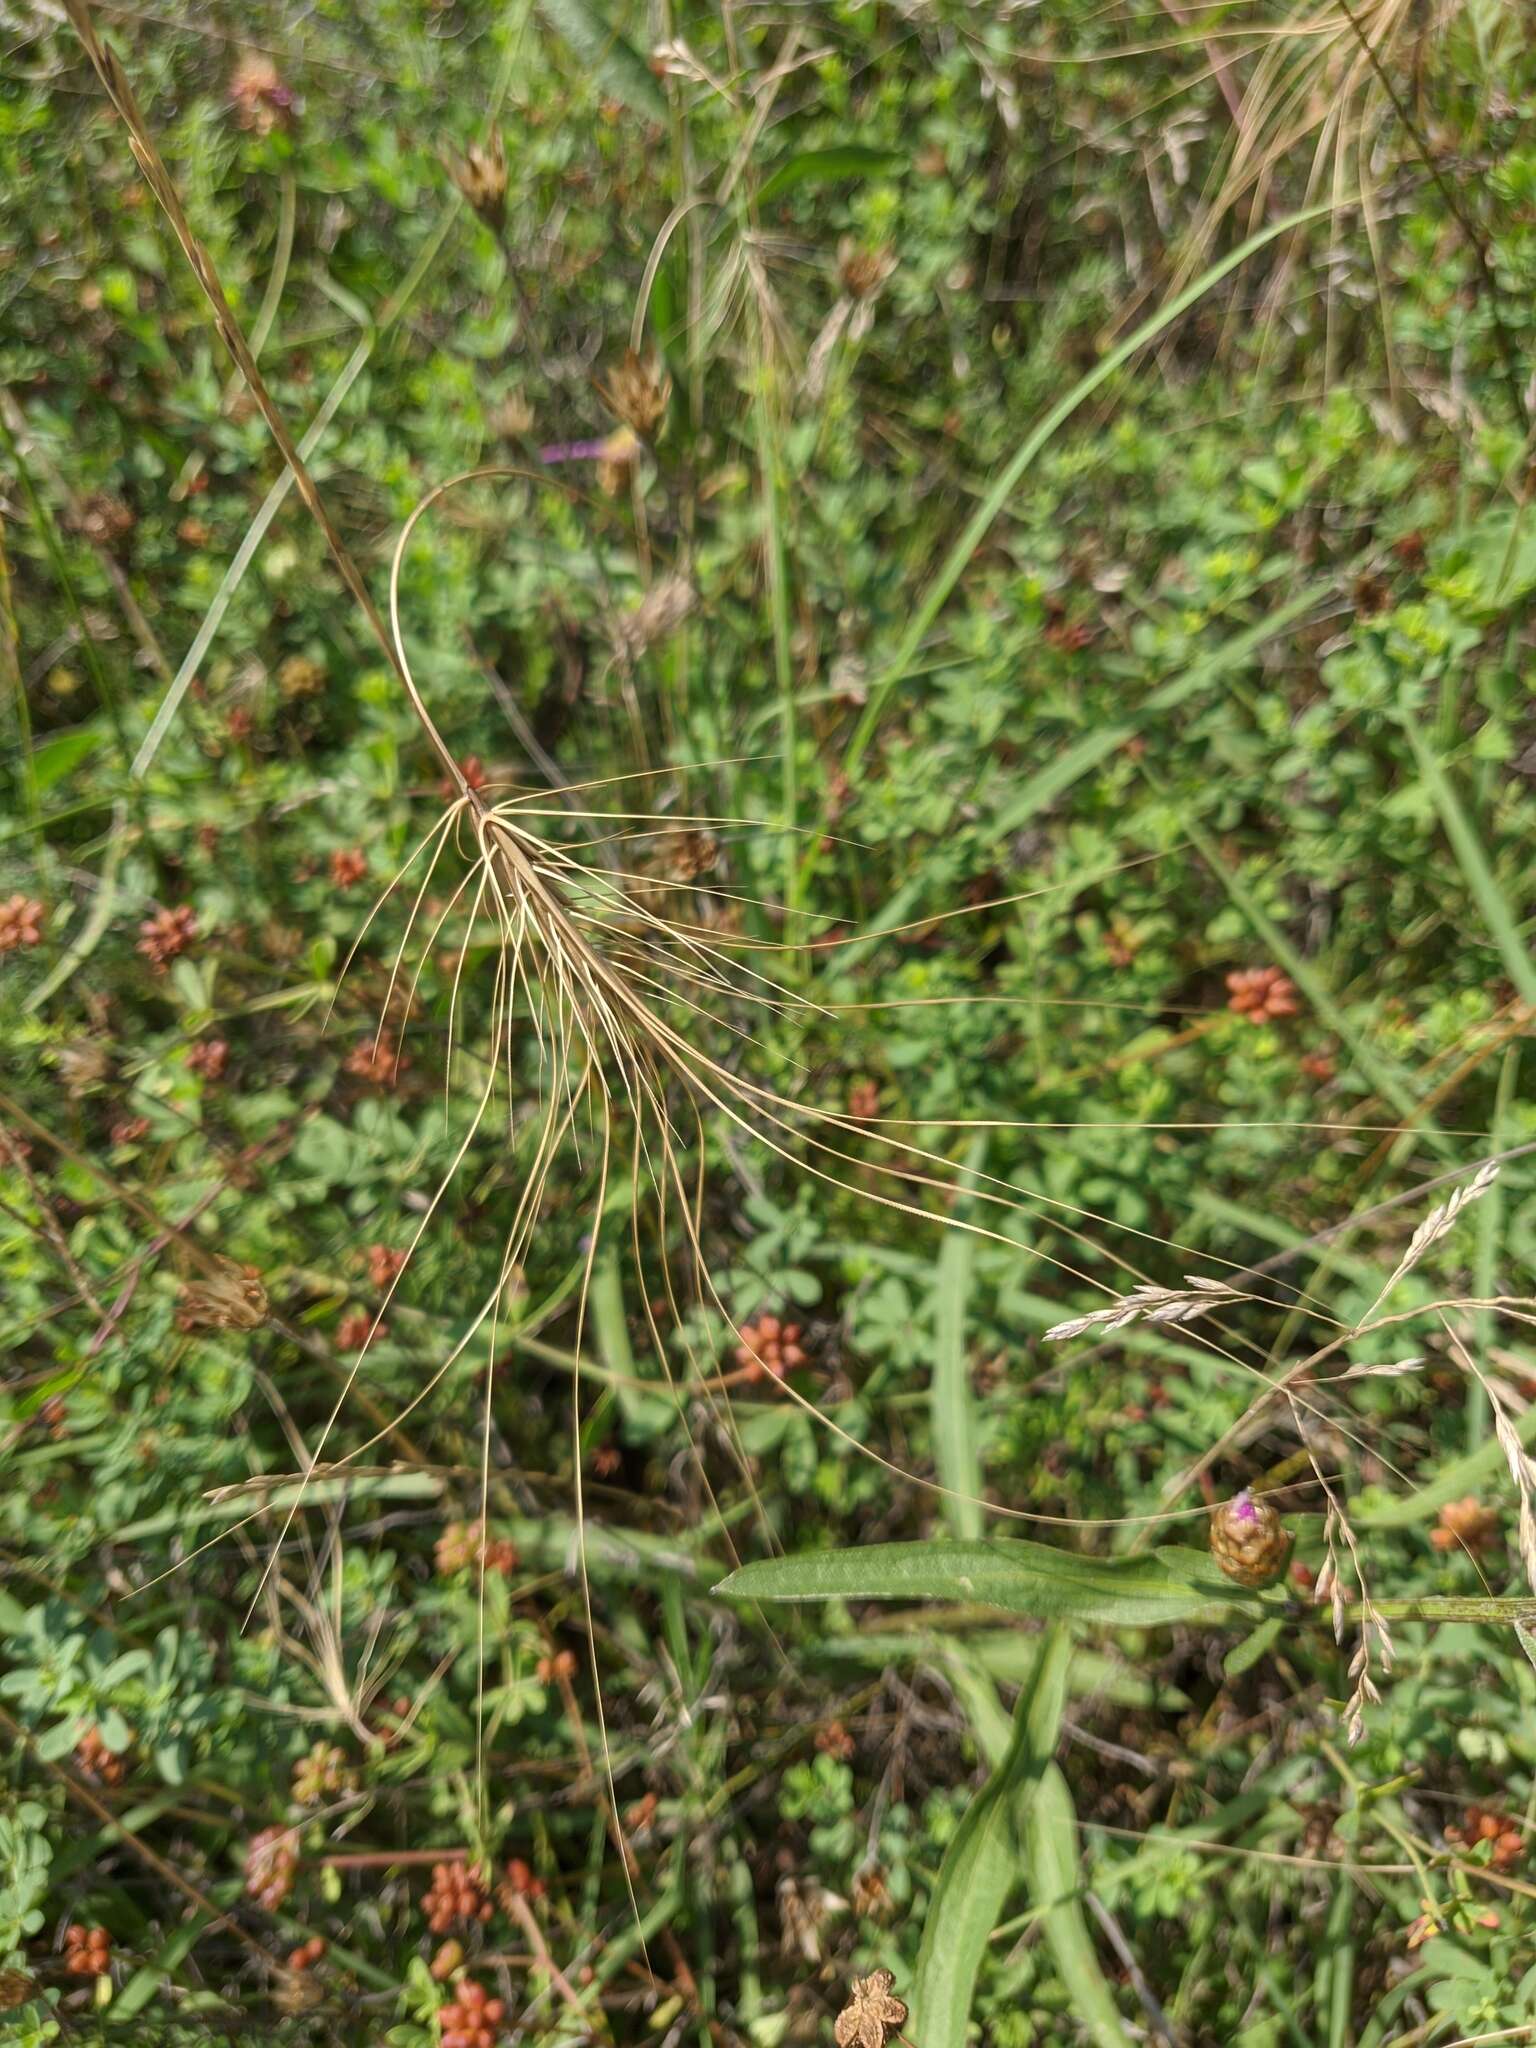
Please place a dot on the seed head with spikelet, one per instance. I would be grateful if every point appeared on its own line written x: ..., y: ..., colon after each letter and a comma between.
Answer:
x: 637, y: 392
x: 481, y: 175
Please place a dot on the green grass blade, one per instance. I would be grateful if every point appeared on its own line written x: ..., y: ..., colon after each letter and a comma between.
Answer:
x: 1497, y: 911
x: 956, y: 1426
x: 983, y: 1863
x: 954, y: 564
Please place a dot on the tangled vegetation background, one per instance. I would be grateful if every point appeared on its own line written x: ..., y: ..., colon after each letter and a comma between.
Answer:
x: 1107, y: 770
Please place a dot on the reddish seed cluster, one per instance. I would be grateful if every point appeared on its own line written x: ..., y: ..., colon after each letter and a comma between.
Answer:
x: 209, y: 1057
x: 307, y: 1954
x: 463, y: 1544
x: 638, y: 1817
x: 446, y: 1961
x: 1483, y: 1825
x: 522, y: 1882
x: 606, y: 1460
x: 354, y: 1330
x: 53, y: 1415
x: 767, y: 1345
x: 377, y: 1060
x: 472, y: 2018
x: 21, y: 923
x: 384, y: 1265
x: 1466, y: 1525
x: 129, y: 1129
x: 94, y: 1760
x: 454, y: 1897
x: 864, y: 1099
x: 472, y: 768
x: 1318, y: 1066
x: 551, y: 1670
x: 835, y: 1741
x: 1261, y: 993
x: 349, y: 864
x: 87, y: 1951
x: 166, y: 934
x: 271, y: 1865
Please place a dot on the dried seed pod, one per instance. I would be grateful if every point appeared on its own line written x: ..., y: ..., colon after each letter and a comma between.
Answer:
x: 1248, y: 1540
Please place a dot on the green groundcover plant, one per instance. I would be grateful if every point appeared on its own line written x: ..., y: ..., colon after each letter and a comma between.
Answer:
x: 767, y: 1170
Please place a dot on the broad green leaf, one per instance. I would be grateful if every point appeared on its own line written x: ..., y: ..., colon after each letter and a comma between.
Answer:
x: 1025, y: 1578
x: 615, y: 64
x: 983, y: 1862
x: 54, y: 757
x: 826, y: 166
x: 1055, y: 1880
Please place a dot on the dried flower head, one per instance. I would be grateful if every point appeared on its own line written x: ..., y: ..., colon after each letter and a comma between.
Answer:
x: 21, y: 923
x: 209, y: 1057
x: 357, y: 1329
x: 233, y: 1299
x: 1248, y: 1540
x: 1466, y: 1524
x: 260, y: 99
x: 16, y: 1988
x: 663, y: 608
x: 862, y: 271
x: 349, y: 864
x: 385, y: 1266
x: 1261, y: 993
x: 377, y: 1060
x: 864, y: 1099
x: 637, y: 392
x: 320, y: 1775
x: 103, y: 520
x: 872, y: 2015
x: 299, y: 676
x: 82, y: 1066
x: 308, y: 1953
x: 481, y: 175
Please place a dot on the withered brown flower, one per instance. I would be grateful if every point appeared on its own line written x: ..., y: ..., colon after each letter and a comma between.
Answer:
x: 481, y: 175
x: 637, y: 392
x: 872, y: 2015
x: 233, y: 1299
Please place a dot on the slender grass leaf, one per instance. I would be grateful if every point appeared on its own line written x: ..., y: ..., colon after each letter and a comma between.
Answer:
x: 976, y: 529
x: 956, y: 1428
x: 615, y: 64
x: 1497, y: 911
x: 984, y: 1863
x: 827, y: 166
